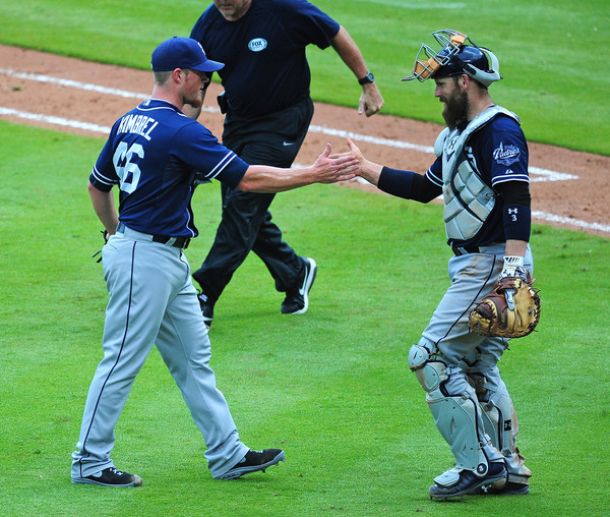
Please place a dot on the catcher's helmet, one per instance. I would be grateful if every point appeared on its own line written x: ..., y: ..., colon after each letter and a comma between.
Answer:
x: 455, y: 58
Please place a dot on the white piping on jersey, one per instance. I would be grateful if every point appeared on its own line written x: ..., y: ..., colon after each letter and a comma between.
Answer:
x: 434, y: 179
x: 161, y: 108
x: 221, y: 165
x: 503, y: 179
x: 188, y: 213
x: 103, y: 179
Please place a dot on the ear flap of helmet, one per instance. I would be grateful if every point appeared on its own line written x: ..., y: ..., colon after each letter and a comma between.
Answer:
x: 485, y: 78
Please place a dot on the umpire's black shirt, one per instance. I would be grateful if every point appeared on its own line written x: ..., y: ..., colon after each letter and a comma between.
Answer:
x: 266, y: 67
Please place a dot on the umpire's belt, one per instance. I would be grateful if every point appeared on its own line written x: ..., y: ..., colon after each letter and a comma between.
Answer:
x: 176, y: 242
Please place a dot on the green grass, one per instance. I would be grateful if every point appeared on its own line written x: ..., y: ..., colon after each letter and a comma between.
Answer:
x: 331, y: 387
x: 549, y: 51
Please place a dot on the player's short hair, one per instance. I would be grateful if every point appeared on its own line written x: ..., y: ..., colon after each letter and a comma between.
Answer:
x: 161, y: 77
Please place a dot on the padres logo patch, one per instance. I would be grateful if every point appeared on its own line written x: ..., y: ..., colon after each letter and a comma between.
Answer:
x: 506, y: 154
x: 257, y: 44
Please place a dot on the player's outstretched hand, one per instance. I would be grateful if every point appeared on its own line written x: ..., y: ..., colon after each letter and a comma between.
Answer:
x: 332, y: 168
x: 367, y: 169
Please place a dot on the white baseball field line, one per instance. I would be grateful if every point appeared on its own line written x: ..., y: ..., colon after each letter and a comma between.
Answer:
x: 538, y: 174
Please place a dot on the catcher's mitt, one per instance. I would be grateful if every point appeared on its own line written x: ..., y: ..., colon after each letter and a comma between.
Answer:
x: 511, y: 310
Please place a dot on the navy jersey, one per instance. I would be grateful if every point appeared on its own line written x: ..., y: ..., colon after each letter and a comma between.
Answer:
x: 266, y: 67
x: 152, y: 154
x: 499, y: 153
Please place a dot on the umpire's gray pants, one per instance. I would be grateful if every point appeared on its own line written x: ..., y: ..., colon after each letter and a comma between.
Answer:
x: 152, y: 300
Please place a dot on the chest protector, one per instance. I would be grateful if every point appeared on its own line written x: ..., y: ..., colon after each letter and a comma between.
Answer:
x: 468, y: 199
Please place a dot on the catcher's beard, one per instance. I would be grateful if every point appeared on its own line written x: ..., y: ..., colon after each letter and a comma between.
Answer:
x: 456, y: 109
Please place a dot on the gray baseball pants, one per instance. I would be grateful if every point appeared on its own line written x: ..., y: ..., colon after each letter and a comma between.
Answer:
x: 152, y: 300
x: 471, y: 358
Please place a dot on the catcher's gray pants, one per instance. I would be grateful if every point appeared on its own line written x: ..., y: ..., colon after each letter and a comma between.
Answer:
x: 152, y: 300
x: 469, y: 359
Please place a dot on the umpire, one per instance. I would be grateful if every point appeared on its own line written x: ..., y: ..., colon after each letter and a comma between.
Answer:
x: 268, y: 110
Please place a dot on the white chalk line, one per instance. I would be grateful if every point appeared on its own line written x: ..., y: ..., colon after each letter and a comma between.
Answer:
x: 538, y: 174
x: 95, y: 128
x: 552, y: 218
x: 57, y: 121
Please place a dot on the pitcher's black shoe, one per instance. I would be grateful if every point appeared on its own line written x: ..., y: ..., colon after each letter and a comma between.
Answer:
x: 297, y: 300
x: 207, y: 309
x: 254, y: 461
x: 469, y: 483
x: 111, y: 476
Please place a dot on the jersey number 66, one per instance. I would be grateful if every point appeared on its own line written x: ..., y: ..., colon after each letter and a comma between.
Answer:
x: 128, y: 172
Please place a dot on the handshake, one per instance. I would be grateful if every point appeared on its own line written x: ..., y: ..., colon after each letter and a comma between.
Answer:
x: 332, y: 168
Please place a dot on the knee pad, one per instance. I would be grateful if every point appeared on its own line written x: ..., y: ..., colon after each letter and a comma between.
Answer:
x: 430, y: 371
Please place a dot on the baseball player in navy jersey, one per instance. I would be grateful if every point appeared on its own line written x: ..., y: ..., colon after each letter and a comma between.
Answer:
x: 481, y: 170
x: 268, y: 110
x: 152, y: 154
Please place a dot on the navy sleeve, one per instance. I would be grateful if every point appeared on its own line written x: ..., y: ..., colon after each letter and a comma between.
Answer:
x: 200, y: 149
x: 435, y: 172
x: 505, y: 152
x: 516, y: 210
x: 103, y: 176
x: 308, y: 23
x: 408, y: 185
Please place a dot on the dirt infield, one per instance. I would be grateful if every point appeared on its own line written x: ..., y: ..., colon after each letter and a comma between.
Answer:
x: 569, y: 188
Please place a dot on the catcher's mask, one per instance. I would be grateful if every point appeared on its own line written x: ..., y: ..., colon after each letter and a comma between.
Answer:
x: 457, y: 55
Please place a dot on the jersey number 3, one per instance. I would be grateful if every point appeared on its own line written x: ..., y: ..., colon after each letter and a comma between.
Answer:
x: 127, y: 171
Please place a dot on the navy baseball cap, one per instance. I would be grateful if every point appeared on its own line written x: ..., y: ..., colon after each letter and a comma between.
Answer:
x: 185, y: 53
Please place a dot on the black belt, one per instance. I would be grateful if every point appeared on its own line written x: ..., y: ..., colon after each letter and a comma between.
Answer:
x: 179, y: 242
x: 463, y: 250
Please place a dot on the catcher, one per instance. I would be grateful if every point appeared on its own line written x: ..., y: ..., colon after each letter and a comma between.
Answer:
x: 481, y: 170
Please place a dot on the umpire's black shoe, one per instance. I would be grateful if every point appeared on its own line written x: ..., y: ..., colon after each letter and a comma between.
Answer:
x: 469, y: 483
x: 111, y: 476
x: 207, y: 309
x: 254, y: 461
x: 297, y: 300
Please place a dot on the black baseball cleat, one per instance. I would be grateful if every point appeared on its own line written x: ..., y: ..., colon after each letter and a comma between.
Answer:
x: 112, y: 477
x: 207, y: 309
x: 297, y: 300
x: 254, y: 461
x: 469, y: 483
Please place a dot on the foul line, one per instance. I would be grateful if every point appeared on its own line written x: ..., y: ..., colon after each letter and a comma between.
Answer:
x: 542, y: 174
x: 104, y: 130
x: 57, y: 121
x: 538, y: 174
x: 85, y: 86
x: 552, y: 218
